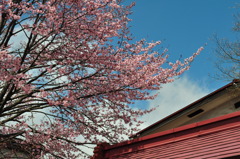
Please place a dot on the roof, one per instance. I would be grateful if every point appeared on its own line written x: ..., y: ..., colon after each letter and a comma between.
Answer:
x: 213, y: 138
x: 187, y: 107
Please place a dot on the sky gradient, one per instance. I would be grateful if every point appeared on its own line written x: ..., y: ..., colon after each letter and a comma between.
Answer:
x: 183, y: 26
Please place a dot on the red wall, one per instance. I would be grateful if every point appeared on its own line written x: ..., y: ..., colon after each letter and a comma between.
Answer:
x: 214, y: 138
x: 215, y: 145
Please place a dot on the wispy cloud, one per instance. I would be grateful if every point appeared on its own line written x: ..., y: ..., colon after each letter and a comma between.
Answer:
x: 173, y: 97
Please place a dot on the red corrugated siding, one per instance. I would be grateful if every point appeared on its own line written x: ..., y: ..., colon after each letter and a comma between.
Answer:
x: 212, y: 139
x: 220, y: 144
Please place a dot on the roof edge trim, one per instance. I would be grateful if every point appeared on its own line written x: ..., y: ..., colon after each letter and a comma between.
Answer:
x: 182, y: 128
x: 188, y: 106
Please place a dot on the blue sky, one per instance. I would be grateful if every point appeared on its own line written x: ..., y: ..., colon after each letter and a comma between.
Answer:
x: 183, y: 26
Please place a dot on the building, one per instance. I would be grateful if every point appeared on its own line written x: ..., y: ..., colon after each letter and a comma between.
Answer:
x: 207, y: 128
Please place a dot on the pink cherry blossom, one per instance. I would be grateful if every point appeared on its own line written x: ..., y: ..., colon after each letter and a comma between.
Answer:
x: 71, y: 76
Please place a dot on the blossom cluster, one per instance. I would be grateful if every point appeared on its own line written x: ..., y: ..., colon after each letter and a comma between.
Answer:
x: 76, y: 67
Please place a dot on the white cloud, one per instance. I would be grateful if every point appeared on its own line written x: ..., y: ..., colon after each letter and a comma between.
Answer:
x: 20, y: 37
x: 173, y: 97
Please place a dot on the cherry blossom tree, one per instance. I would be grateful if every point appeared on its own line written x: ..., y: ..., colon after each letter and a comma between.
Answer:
x: 69, y: 73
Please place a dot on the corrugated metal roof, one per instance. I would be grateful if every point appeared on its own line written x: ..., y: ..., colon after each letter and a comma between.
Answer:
x: 215, y: 145
x: 214, y: 138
